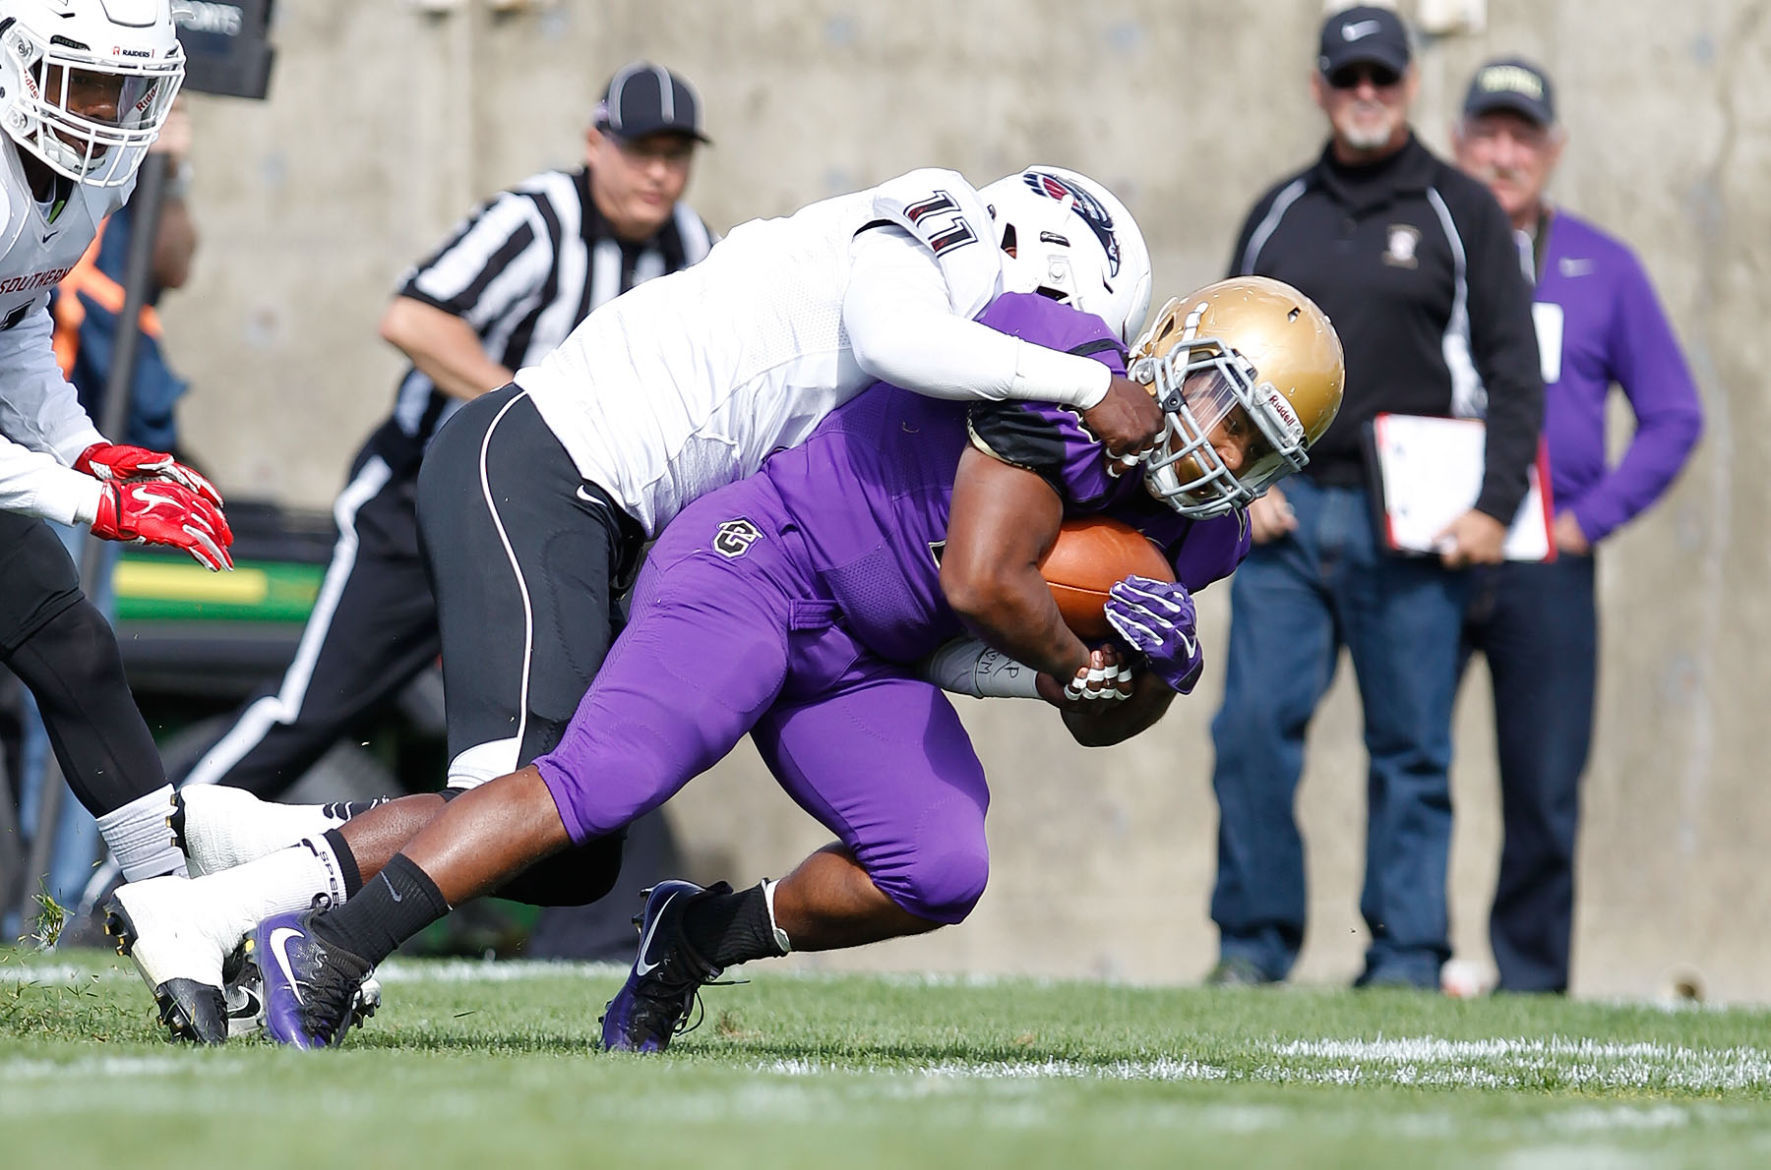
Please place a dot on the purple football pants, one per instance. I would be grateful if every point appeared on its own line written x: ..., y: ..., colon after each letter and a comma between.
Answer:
x: 730, y: 632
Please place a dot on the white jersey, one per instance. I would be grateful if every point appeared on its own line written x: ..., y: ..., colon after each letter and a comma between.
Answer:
x: 42, y: 425
x: 688, y: 382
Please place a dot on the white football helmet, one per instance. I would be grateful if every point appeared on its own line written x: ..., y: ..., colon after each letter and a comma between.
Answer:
x: 86, y: 84
x: 1072, y: 241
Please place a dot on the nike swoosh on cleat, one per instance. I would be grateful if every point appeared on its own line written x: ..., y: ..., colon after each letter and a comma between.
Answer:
x: 242, y: 1002
x: 280, y: 951
x: 640, y: 966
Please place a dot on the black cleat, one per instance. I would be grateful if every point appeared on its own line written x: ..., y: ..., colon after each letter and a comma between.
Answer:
x: 191, y: 1009
x: 666, y: 977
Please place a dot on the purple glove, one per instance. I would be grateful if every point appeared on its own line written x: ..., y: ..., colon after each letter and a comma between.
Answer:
x: 1156, y: 618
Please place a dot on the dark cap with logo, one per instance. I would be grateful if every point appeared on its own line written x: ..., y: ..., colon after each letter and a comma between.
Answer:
x: 1366, y: 35
x: 643, y: 98
x: 1515, y: 84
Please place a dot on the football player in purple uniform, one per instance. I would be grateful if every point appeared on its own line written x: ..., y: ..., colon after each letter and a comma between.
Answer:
x: 536, y: 498
x: 792, y: 606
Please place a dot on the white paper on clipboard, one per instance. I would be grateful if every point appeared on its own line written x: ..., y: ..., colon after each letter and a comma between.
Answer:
x: 1431, y: 469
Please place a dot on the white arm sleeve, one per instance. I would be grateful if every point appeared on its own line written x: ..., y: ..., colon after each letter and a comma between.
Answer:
x: 966, y: 666
x: 42, y: 430
x: 902, y: 329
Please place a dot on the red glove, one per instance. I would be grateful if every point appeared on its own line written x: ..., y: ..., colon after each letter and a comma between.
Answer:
x: 114, y: 462
x: 148, y: 511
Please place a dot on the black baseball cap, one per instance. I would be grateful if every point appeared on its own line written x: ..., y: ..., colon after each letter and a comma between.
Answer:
x: 1512, y: 83
x: 1361, y: 36
x: 643, y: 98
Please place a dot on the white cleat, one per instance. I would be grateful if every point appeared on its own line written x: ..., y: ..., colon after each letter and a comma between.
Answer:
x: 242, y: 991
x: 219, y: 828
x: 180, y: 946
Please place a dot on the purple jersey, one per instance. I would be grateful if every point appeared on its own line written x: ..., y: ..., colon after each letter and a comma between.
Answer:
x: 1599, y: 322
x: 871, y: 489
x: 787, y: 605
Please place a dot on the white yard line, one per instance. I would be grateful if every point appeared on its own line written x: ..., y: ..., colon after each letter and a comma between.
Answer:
x: 1520, y: 1062
x: 1161, y: 1069
x: 1420, y: 1061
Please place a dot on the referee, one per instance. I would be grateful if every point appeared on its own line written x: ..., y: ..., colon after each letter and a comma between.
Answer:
x: 504, y: 290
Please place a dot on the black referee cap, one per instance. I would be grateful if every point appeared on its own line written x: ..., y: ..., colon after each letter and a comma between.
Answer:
x: 643, y: 98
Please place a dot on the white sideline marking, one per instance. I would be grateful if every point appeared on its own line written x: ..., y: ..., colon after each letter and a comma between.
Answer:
x: 1434, y: 1050
x: 1161, y: 1069
x: 494, y: 971
x: 1422, y: 1061
x: 1516, y: 1062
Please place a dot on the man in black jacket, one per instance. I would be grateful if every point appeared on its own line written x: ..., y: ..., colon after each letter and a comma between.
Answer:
x: 1417, y: 266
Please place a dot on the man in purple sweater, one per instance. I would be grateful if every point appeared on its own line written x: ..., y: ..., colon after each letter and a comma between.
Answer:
x: 1598, y: 323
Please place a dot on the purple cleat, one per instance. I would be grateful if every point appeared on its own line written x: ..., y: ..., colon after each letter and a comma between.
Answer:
x: 667, y: 973
x: 311, y: 988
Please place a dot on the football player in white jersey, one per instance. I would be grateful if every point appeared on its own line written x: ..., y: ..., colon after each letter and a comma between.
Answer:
x: 84, y: 88
x: 535, y: 499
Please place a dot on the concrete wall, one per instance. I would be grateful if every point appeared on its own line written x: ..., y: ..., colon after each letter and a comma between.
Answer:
x: 387, y: 122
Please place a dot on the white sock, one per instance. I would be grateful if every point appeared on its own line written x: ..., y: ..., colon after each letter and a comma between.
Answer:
x: 283, y: 882
x: 225, y: 827
x: 781, y: 939
x: 138, y: 837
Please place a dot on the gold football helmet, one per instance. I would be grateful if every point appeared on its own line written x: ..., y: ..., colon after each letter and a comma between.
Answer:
x: 1249, y: 360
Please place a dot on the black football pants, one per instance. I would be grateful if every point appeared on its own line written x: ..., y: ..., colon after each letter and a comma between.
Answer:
x: 62, y: 648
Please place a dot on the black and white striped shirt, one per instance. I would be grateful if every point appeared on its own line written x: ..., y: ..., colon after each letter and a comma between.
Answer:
x: 523, y: 269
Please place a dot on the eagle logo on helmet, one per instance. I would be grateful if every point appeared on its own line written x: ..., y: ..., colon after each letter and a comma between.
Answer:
x: 1096, y: 216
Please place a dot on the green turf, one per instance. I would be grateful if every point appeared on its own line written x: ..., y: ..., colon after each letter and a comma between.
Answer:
x: 463, y: 1068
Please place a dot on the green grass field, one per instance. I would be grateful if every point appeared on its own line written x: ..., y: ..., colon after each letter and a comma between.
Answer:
x: 493, y: 1065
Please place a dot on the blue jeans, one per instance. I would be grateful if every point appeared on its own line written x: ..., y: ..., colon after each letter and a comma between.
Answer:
x: 1538, y: 627
x: 1294, y: 603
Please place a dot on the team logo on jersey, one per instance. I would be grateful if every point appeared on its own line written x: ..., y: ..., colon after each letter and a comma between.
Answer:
x: 1404, y: 239
x: 1092, y: 211
x: 734, y: 538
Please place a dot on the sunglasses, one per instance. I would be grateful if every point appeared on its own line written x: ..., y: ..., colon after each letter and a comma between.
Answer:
x: 1349, y: 76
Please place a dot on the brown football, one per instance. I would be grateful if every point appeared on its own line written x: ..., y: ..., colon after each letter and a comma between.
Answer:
x: 1090, y: 555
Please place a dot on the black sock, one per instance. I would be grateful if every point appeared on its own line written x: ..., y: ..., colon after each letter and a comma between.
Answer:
x: 347, y: 863
x: 731, y: 928
x: 400, y: 902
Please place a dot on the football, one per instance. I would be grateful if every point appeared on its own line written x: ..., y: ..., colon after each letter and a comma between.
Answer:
x: 1089, y: 556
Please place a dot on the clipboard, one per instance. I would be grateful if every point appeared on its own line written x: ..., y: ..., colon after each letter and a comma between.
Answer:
x: 1427, y: 472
